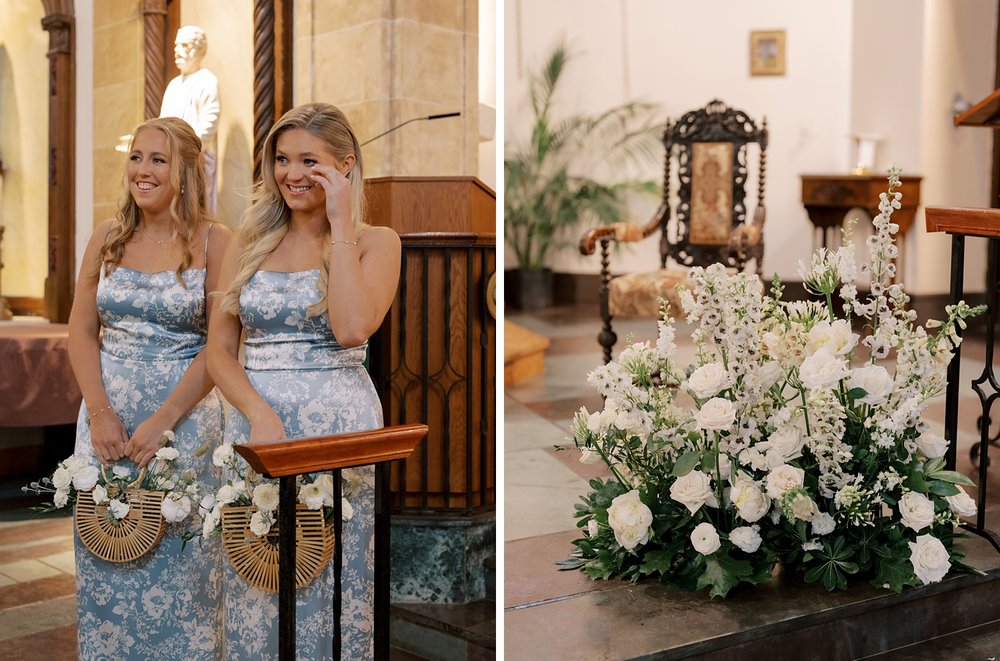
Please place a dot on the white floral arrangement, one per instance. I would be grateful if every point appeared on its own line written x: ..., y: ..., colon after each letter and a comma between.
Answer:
x: 804, y: 446
x: 249, y: 488
x: 75, y: 476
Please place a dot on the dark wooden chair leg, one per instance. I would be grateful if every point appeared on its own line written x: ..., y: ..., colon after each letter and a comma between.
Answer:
x: 286, y: 569
x: 607, y: 337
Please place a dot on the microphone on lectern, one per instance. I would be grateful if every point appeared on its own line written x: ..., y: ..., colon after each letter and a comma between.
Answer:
x: 415, y: 119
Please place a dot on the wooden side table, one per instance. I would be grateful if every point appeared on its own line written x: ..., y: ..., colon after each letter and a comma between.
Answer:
x: 828, y: 197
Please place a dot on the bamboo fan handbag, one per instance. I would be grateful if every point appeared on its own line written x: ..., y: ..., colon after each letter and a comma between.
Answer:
x: 125, y: 539
x: 256, y: 558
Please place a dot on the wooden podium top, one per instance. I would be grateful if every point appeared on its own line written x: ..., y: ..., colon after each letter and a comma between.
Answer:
x: 984, y: 113
x: 432, y: 204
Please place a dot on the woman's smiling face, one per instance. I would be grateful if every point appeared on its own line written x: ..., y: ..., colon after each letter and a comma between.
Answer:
x: 148, y: 171
x: 296, y: 152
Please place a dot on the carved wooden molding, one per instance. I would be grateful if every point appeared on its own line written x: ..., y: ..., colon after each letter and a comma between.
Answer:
x: 263, y: 76
x: 154, y: 26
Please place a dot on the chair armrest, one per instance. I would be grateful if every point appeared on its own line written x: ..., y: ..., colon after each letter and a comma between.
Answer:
x: 620, y: 232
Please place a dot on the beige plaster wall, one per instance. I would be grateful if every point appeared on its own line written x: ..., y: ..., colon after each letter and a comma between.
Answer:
x: 229, y: 29
x: 118, y: 95
x: 24, y: 137
x: 386, y: 62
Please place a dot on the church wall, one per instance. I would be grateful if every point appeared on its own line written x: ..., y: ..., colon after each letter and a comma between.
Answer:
x: 24, y: 136
x: 228, y: 27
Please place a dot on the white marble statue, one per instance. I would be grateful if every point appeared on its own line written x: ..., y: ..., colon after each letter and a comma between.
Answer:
x: 194, y: 97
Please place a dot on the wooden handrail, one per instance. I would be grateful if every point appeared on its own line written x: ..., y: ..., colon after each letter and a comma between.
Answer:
x: 308, y: 455
x: 958, y: 220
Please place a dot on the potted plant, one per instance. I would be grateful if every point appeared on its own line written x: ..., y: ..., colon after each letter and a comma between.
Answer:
x: 551, y: 181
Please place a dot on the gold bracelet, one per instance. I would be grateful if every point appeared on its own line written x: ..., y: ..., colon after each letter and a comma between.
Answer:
x: 353, y: 243
x: 96, y: 413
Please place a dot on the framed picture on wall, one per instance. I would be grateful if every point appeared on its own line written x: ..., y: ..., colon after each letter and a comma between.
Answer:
x: 767, y: 53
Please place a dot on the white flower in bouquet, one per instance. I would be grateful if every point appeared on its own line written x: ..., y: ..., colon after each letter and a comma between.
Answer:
x: 782, y: 478
x: 73, y: 463
x: 823, y: 524
x: 875, y: 380
x: 86, y: 478
x: 693, y: 490
x: 593, y: 528
x: 311, y: 495
x: 62, y: 478
x: 175, y: 508
x: 222, y: 454
x: 347, y: 510
x: 932, y: 445
x: 962, y: 504
x: 822, y: 370
x: 265, y: 497
x: 836, y: 337
x: 207, y: 504
x: 589, y: 456
x: 325, y: 483
x: 227, y: 493
x: 916, y: 510
x: 121, y: 472
x: 705, y: 539
x: 260, y: 524
x: 61, y: 497
x: 798, y: 503
x: 750, y: 501
x: 746, y: 538
x: 119, y: 509
x: 210, y: 521
x: 929, y: 558
x: 767, y: 375
x: 784, y: 444
x: 630, y: 520
x: 167, y: 454
x: 168, y: 436
x: 99, y: 494
x: 709, y: 380
x: 716, y: 414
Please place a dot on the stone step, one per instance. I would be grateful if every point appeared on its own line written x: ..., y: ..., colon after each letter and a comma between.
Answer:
x: 550, y: 614
x: 982, y: 642
x: 445, y: 632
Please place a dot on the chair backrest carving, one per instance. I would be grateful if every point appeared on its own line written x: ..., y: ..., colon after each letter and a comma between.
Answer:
x: 710, y: 149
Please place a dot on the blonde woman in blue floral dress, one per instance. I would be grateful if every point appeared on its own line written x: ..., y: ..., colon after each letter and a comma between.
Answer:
x: 136, y: 334
x: 311, y: 282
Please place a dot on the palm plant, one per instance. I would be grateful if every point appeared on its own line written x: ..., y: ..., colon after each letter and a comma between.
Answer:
x: 549, y: 182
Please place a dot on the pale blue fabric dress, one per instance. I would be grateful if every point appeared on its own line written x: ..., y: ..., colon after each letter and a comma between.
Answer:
x: 167, y: 604
x: 316, y: 387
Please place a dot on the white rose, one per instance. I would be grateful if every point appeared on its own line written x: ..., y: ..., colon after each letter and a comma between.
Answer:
x: 588, y: 456
x: 265, y: 497
x: 716, y: 413
x: 99, y: 494
x: 823, y: 524
x: 260, y: 525
x: 347, y: 510
x: 73, y: 463
x: 929, y: 558
x: 693, y: 490
x: 61, y: 479
x: 916, y: 510
x: 705, y: 539
x: 86, y: 478
x: 786, y: 442
x: 61, y: 497
x: 121, y: 472
x: 876, y: 381
x: 325, y: 484
x: 769, y: 374
x: 746, y: 538
x: 836, y: 337
x: 311, y: 495
x: 803, y: 507
x: 175, y: 510
x: 168, y: 436
x: 750, y: 501
x: 822, y: 370
x: 206, y: 504
x: 119, y: 509
x: 630, y: 519
x: 782, y: 478
x: 932, y: 445
x: 222, y: 454
x: 962, y: 504
x: 167, y: 454
x: 226, y: 494
x: 593, y: 528
x: 209, y: 523
x: 709, y: 380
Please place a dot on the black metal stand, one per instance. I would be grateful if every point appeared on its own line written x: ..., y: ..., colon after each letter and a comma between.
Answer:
x: 286, y: 569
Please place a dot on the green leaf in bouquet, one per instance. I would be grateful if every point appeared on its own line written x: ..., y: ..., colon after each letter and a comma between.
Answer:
x: 686, y: 463
x: 933, y: 465
x: 723, y: 573
x: 835, y: 566
x: 658, y: 561
x: 855, y: 394
x: 893, y: 573
x: 917, y: 482
x: 952, y: 477
x: 942, y: 488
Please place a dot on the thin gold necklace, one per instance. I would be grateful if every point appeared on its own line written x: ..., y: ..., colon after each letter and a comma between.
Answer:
x: 159, y: 243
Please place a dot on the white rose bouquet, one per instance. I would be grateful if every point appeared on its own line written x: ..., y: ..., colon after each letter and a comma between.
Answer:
x: 804, y: 446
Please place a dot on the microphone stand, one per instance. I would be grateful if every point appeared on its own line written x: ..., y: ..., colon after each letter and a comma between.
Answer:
x: 409, y: 121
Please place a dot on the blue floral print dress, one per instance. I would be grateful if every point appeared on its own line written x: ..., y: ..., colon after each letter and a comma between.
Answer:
x: 167, y: 604
x: 316, y: 387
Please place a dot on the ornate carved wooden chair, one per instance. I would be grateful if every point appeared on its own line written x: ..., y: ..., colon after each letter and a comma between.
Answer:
x: 705, y: 224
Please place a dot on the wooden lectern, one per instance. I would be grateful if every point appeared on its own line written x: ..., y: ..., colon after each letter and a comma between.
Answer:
x: 287, y: 459
x: 433, y: 361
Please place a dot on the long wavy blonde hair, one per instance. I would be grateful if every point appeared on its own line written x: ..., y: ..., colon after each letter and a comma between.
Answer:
x: 187, y: 208
x: 265, y: 223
